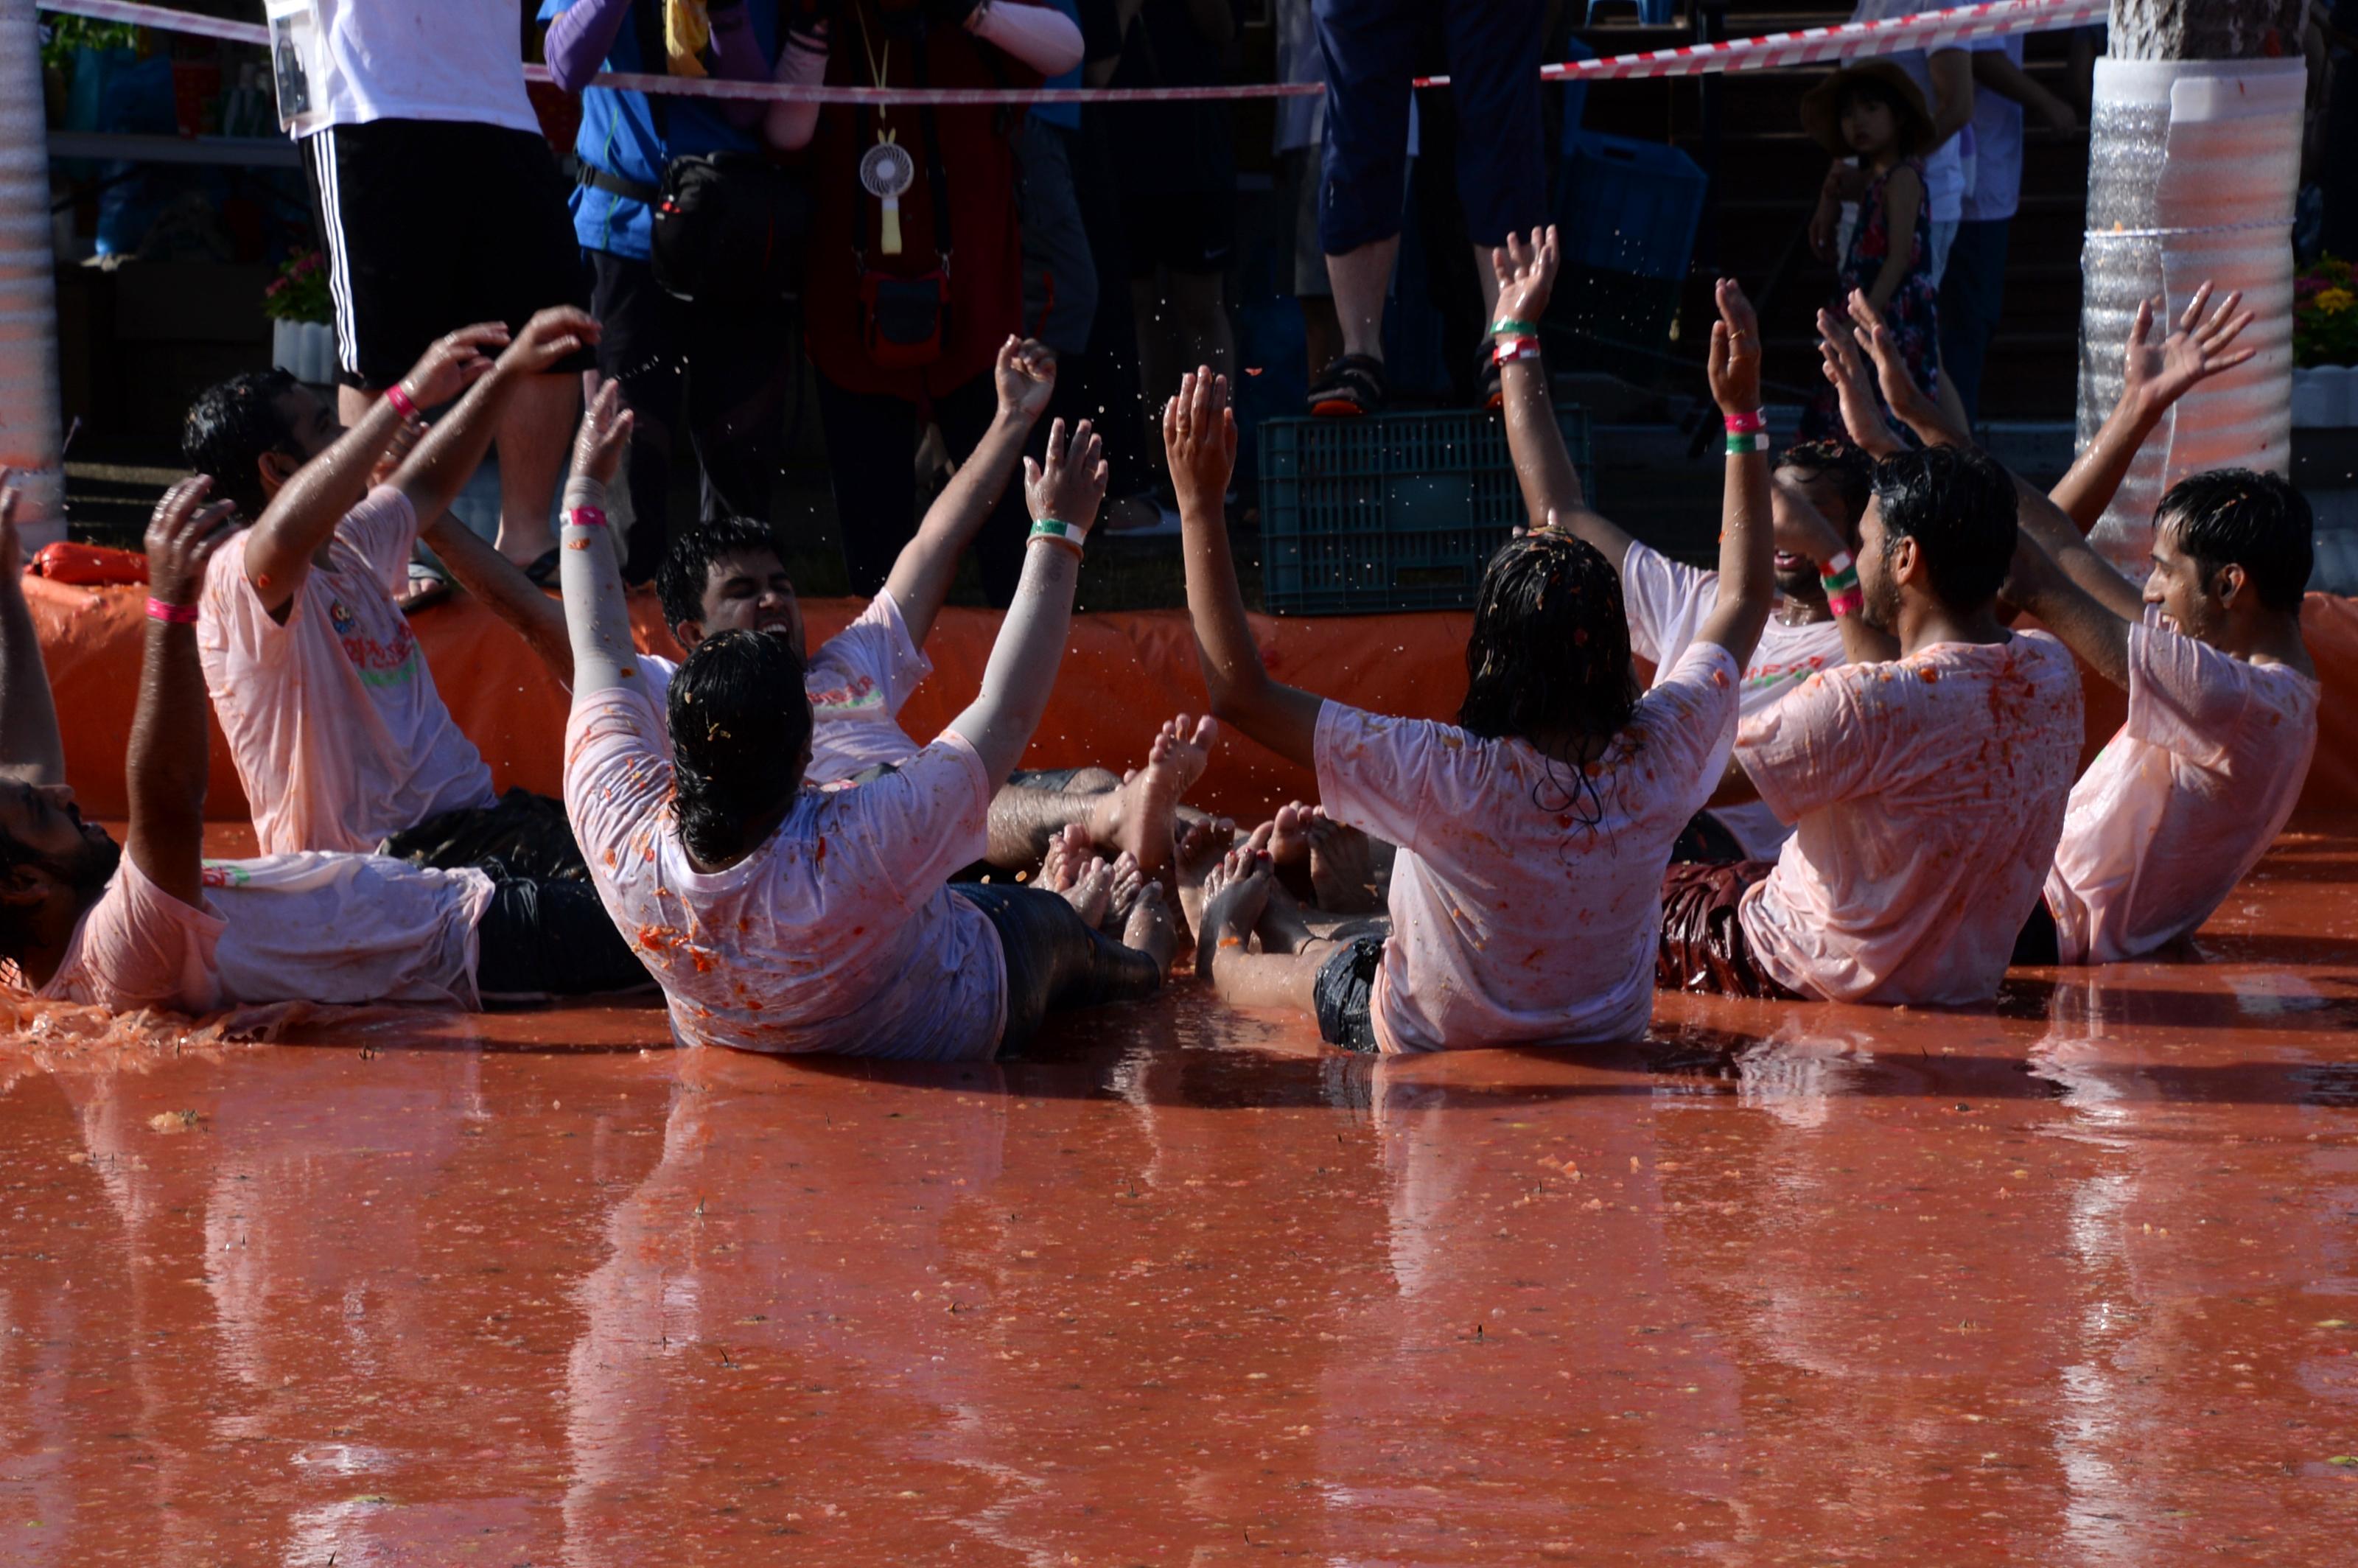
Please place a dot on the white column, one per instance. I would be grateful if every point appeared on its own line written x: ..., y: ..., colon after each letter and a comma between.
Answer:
x: 28, y: 294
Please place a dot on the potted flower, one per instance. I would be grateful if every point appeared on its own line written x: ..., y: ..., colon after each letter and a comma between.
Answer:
x: 302, y: 343
x: 2325, y: 344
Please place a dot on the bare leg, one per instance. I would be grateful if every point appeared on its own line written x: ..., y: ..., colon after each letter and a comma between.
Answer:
x: 1149, y: 929
x: 1091, y: 895
x: 1201, y: 845
x: 1321, y: 331
x: 1288, y: 842
x: 1142, y: 817
x: 1024, y: 823
x: 1236, y: 897
x: 1206, y: 336
x: 534, y: 434
x: 1360, y: 278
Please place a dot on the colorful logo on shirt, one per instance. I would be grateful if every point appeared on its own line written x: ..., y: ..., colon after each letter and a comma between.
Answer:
x: 225, y: 874
x: 859, y: 695
x: 1759, y: 678
x: 378, y: 664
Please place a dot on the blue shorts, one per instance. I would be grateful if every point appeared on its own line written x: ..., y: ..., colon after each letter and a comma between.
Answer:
x: 1372, y: 53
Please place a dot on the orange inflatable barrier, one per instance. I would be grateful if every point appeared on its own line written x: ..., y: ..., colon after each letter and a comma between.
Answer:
x: 1123, y: 675
x: 89, y: 566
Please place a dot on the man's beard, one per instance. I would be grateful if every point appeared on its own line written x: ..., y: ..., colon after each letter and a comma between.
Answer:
x: 89, y: 872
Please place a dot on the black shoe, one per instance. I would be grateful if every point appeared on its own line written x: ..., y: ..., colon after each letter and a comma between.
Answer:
x: 1353, y: 386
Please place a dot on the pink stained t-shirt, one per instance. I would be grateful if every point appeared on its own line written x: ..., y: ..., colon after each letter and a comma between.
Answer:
x: 1667, y: 602
x: 1927, y: 795
x: 1512, y: 922
x: 2184, y: 800
x: 858, y: 681
x: 308, y: 927
x: 340, y: 736
x: 838, y: 934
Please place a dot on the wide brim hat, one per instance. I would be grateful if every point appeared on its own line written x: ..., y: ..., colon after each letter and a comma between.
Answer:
x: 1822, y: 107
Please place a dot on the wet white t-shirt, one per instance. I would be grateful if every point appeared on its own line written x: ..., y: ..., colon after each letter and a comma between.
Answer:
x: 311, y: 928
x: 858, y: 681
x: 332, y: 718
x: 1927, y: 795
x: 1512, y: 921
x: 1667, y: 602
x: 2184, y: 800
x: 408, y: 60
x: 838, y: 934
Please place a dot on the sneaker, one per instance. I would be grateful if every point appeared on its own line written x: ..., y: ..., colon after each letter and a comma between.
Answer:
x: 1353, y: 386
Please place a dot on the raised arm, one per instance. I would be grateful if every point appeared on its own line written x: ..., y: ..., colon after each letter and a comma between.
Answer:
x: 453, y: 448
x: 1746, y: 568
x: 1199, y: 438
x: 2088, y: 626
x: 580, y: 37
x: 31, y: 748
x: 1047, y: 40
x: 1064, y: 495
x: 169, y: 756
x: 303, y: 513
x: 1951, y: 71
x: 1025, y: 376
x: 1534, y: 440
x: 596, y: 615
x: 2153, y: 376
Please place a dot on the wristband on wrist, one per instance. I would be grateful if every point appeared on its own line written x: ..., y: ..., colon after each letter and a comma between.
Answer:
x: 170, y: 613
x: 1745, y: 445
x: 1839, y: 573
x: 403, y: 404
x: 1746, y: 424
x: 1849, y: 601
x: 1057, y: 531
x: 1507, y: 351
x: 586, y: 516
x: 1506, y: 326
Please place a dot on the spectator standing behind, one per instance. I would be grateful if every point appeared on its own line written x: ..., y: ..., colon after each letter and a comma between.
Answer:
x: 1060, y: 274
x: 713, y: 375
x: 1370, y: 46
x: 915, y: 276
x: 1176, y: 163
x: 1944, y: 80
x: 438, y: 206
x: 1300, y: 135
x: 1973, y: 285
x: 1875, y: 111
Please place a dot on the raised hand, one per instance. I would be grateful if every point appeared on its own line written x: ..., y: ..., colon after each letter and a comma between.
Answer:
x: 1526, y: 274
x: 1199, y: 441
x: 1908, y: 402
x: 2158, y: 374
x: 182, y: 535
x: 548, y: 340
x: 1862, y: 416
x: 454, y: 361
x: 1026, y: 377
x: 605, y: 432
x: 1071, y: 485
x: 1734, y: 360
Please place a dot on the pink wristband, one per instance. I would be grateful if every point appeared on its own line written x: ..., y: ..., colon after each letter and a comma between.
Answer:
x: 401, y: 403
x: 1746, y: 424
x: 1849, y: 601
x: 174, y: 614
x: 585, y: 517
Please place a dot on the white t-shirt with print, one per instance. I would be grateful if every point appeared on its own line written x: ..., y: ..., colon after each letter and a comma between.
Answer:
x: 340, y: 736
x: 858, y: 681
x: 1512, y: 921
x: 837, y: 934
x: 1667, y: 602
x: 2184, y: 800
x: 408, y: 60
x: 310, y: 927
x: 1927, y: 795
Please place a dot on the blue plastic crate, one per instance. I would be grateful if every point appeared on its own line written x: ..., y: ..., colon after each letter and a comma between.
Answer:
x: 1392, y: 511
x: 1624, y: 205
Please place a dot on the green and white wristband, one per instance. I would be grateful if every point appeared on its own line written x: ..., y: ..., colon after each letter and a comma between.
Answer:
x: 1058, y: 531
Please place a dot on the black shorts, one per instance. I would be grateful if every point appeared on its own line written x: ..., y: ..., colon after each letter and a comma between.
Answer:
x: 429, y: 225
x: 1055, y: 961
x: 1194, y: 232
x: 1344, y: 995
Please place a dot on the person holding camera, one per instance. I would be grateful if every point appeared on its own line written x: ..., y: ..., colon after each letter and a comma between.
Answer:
x: 915, y: 268
x: 711, y: 370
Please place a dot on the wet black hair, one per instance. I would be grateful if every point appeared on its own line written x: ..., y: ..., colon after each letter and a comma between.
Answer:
x: 1550, y: 652
x: 739, y: 719
x: 2256, y: 521
x: 1960, y: 508
x: 1852, y: 471
x: 686, y: 567
x: 231, y: 428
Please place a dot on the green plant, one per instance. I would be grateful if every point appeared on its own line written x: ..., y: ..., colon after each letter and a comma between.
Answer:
x: 2325, y: 314
x: 299, y: 292
x: 62, y: 36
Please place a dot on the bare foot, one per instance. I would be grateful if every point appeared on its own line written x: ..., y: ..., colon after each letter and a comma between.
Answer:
x: 1142, y: 817
x: 1235, y: 895
x: 1288, y: 846
x: 1201, y: 845
x: 1126, y: 883
x: 1342, y: 868
x: 1092, y: 893
x: 1066, y: 858
x: 1280, y: 926
x: 1149, y: 929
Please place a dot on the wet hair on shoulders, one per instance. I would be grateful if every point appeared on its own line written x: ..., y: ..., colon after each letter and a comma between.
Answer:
x: 230, y: 428
x: 686, y: 566
x: 2244, y: 518
x: 739, y: 719
x: 1961, y: 509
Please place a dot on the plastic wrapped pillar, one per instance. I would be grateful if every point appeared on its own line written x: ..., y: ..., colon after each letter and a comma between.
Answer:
x: 2192, y: 168
x: 28, y: 290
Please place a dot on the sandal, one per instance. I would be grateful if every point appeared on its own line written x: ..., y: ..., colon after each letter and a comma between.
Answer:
x: 542, y: 568
x: 1353, y: 386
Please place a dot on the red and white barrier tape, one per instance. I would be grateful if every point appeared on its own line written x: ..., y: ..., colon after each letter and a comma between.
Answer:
x: 1925, y: 30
